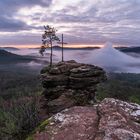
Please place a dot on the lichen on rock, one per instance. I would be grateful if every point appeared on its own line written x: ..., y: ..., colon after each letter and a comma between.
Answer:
x: 111, y: 119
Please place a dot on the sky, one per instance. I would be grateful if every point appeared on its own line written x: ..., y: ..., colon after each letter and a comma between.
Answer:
x: 83, y: 22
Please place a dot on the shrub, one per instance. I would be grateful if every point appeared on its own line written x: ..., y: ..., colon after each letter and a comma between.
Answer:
x: 120, y: 86
x: 18, y: 118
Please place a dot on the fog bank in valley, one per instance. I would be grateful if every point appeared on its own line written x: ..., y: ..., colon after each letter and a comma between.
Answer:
x: 109, y: 58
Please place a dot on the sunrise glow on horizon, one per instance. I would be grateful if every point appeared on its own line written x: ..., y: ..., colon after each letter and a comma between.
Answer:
x: 67, y: 46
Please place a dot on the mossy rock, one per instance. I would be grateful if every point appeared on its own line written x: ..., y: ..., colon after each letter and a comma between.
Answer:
x: 40, y: 128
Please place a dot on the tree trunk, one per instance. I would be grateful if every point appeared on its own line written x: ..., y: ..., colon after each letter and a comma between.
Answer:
x: 51, y: 53
x: 62, y: 50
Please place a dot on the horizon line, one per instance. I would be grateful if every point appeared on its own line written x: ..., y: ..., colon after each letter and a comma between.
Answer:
x: 65, y: 46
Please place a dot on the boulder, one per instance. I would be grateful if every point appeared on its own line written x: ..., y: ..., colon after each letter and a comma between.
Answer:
x: 75, y: 82
x: 109, y: 120
x: 119, y: 120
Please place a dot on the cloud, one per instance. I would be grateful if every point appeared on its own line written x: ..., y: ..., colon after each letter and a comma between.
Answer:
x: 16, y: 4
x: 10, y: 25
x: 8, y: 10
x: 21, y: 39
x: 81, y: 21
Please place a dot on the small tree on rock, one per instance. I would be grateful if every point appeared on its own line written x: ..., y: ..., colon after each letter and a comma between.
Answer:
x: 48, y: 38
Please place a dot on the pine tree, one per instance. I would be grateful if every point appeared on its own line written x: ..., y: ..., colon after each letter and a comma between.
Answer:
x: 48, y: 38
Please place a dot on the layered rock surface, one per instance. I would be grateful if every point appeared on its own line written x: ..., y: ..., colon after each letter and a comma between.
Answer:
x: 69, y: 89
x: 109, y: 120
x: 69, y: 83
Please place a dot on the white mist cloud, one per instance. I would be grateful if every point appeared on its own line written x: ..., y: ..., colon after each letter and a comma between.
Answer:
x: 112, y: 59
x: 107, y: 57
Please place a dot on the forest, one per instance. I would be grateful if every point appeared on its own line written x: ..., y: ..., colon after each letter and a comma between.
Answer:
x: 20, y: 90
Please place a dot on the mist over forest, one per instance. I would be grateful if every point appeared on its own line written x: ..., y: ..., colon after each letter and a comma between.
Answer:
x: 108, y: 57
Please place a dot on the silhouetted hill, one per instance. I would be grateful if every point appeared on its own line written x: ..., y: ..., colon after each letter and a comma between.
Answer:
x: 9, y: 48
x: 70, y: 48
x: 7, y: 57
x: 131, y: 49
x: 120, y: 48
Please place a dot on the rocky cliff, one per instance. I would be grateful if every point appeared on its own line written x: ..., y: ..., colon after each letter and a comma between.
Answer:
x: 68, y: 98
x: 69, y: 84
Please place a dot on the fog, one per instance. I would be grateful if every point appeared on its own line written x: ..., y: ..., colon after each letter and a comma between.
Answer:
x: 112, y: 59
x: 109, y: 58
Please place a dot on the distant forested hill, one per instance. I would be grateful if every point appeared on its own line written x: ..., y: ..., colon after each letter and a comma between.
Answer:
x: 131, y: 49
x: 70, y: 48
x: 7, y: 57
x: 9, y: 48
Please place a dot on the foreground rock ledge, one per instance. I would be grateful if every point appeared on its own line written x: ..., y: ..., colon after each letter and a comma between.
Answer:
x: 110, y: 120
x: 70, y: 84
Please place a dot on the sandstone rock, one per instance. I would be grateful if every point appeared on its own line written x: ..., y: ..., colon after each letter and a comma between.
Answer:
x: 119, y: 120
x: 109, y: 120
x: 50, y: 81
x: 74, y: 81
x: 60, y: 103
